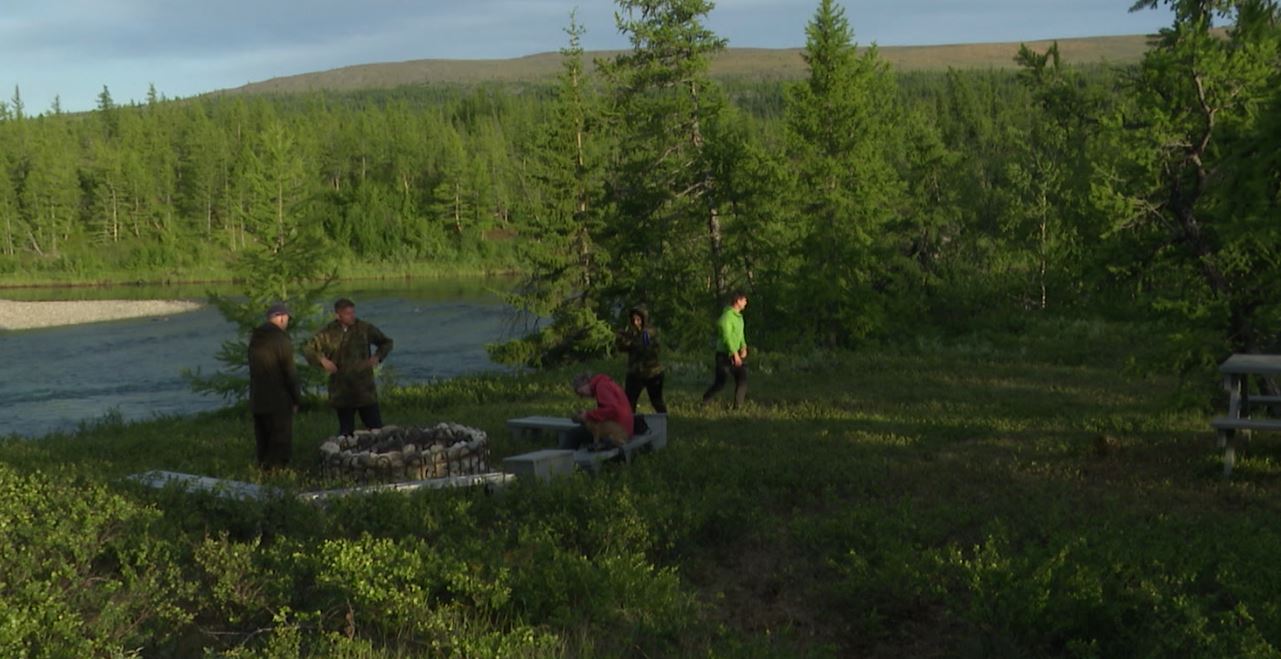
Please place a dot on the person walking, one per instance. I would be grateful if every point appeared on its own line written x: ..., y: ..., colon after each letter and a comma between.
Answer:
x: 274, y: 391
x: 341, y: 348
x: 731, y: 351
x: 639, y: 340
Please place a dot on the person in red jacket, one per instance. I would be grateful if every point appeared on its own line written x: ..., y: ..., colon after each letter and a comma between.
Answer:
x: 610, y: 424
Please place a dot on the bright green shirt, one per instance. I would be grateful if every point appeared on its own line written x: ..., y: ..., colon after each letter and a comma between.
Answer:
x: 731, y: 331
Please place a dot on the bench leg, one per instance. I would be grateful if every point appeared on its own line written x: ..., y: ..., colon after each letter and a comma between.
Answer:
x: 524, y: 434
x: 1229, y: 451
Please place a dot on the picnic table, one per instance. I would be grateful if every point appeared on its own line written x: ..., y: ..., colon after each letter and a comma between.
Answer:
x: 1237, y: 371
x: 544, y: 464
x: 530, y: 427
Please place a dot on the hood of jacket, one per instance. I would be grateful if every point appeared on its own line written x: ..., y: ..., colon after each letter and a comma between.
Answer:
x: 639, y: 310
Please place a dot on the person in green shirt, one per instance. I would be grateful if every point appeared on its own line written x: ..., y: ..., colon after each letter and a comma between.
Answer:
x: 731, y: 351
x: 342, y: 349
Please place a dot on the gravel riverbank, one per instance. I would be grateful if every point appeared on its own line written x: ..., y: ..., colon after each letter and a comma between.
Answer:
x: 31, y: 315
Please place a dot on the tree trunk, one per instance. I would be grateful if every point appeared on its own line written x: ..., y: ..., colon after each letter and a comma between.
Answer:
x: 713, y: 216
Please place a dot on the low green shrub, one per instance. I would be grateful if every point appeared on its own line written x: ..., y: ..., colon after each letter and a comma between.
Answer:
x: 84, y: 573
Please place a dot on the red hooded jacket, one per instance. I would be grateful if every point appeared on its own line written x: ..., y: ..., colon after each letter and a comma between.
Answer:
x: 611, y: 403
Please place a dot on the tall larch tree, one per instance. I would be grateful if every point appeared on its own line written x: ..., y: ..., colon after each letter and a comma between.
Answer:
x: 1200, y: 95
x: 561, y: 188
x: 841, y: 125
x: 48, y: 187
x: 286, y: 261
x: 665, y: 231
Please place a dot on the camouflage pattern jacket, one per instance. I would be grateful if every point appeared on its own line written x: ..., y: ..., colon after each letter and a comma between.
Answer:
x: 348, y: 348
x: 641, y: 345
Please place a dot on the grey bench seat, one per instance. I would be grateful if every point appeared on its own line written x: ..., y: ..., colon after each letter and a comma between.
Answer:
x: 653, y: 440
x: 1229, y: 423
x: 1227, y: 426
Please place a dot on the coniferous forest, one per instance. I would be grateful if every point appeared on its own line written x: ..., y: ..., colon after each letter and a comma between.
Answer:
x: 851, y: 205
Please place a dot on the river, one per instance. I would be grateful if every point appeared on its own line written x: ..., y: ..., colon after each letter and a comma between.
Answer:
x: 58, y: 378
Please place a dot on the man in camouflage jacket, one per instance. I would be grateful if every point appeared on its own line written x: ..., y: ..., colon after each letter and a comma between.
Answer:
x: 341, y: 348
x: 639, y: 339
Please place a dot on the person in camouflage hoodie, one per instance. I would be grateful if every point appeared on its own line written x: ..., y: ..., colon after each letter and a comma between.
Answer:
x: 341, y: 348
x: 639, y: 340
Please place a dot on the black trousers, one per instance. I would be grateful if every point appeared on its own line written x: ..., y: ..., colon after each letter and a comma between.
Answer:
x: 578, y: 437
x: 653, y: 386
x: 724, y: 368
x: 370, y: 415
x: 274, y: 436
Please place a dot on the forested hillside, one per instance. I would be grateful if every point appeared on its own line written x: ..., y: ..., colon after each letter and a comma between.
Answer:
x: 759, y: 64
x: 852, y: 204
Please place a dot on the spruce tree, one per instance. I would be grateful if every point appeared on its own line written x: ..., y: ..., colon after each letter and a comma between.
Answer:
x: 841, y: 123
x: 286, y: 261
x: 566, y: 268
x: 665, y: 228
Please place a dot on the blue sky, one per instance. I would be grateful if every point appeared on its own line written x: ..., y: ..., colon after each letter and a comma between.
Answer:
x: 71, y: 48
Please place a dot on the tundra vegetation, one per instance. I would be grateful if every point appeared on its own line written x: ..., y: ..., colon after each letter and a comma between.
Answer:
x: 985, y: 310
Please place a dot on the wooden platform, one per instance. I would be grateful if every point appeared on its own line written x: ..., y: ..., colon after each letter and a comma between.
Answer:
x: 219, y: 487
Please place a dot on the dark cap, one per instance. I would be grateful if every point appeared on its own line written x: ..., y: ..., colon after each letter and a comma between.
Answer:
x: 278, y: 309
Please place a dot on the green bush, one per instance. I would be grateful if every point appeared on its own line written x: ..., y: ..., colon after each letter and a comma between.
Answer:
x: 83, y: 574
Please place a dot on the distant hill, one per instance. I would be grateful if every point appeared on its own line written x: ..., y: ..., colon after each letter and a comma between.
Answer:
x: 743, y: 63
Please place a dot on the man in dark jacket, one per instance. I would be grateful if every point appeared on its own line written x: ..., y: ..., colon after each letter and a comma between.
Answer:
x: 644, y: 370
x: 342, y: 349
x: 274, y: 392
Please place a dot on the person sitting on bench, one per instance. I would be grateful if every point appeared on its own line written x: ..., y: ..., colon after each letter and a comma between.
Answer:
x: 610, y: 424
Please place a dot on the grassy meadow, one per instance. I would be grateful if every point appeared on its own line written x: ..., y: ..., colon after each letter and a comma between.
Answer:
x: 1011, y: 492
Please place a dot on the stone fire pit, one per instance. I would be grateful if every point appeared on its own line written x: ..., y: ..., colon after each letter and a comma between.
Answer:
x: 393, y: 453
